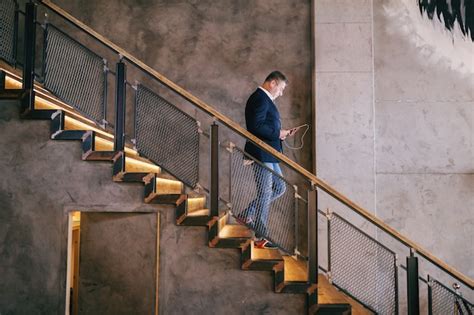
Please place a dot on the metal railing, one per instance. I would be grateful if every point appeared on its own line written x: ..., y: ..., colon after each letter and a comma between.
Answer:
x: 8, y: 30
x: 75, y: 74
x: 167, y: 135
x: 167, y: 129
x: 446, y: 301
x: 361, y: 266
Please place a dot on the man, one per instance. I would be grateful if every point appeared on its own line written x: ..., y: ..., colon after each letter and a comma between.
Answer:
x: 263, y: 120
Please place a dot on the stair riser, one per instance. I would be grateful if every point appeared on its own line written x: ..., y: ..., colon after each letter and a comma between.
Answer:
x: 130, y: 177
x: 288, y: 287
x: 183, y: 219
x: 259, y: 265
x: 68, y: 135
x: 332, y: 309
x: 162, y: 199
x: 193, y: 221
x: 246, y: 262
x: 88, y: 150
x: 227, y: 243
x: 98, y: 156
x: 150, y: 189
x: 58, y: 132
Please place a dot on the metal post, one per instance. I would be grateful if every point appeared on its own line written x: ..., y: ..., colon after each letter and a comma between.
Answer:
x: 297, y: 222
x: 413, y: 292
x: 430, y: 297
x: 120, y: 103
x: 214, y: 193
x: 28, y: 101
x: 2, y: 80
x: 312, y: 248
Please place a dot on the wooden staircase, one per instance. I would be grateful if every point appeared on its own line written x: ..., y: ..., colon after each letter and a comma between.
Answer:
x: 290, y: 273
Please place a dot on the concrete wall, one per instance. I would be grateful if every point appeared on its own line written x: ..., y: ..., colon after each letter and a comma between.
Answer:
x: 424, y: 117
x: 395, y: 123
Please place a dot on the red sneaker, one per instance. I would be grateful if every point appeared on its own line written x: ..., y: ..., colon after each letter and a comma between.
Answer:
x: 260, y: 243
x: 263, y: 243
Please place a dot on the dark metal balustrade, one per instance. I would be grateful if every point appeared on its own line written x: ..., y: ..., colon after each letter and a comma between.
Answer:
x: 8, y: 30
x: 167, y: 136
x: 361, y: 266
x: 444, y: 301
x: 75, y: 74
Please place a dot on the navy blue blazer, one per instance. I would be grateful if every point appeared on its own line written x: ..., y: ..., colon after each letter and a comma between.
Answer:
x: 263, y: 120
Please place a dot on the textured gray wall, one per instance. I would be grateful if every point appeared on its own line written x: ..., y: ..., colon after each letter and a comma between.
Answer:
x: 118, y: 260
x: 218, y: 50
x: 40, y: 178
x: 395, y: 126
x: 196, y: 279
x: 44, y: 179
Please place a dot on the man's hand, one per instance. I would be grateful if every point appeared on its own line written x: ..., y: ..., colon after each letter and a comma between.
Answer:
x: 284, y: 133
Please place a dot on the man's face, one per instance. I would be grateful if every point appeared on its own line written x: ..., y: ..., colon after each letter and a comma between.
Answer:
x: 276, y: 88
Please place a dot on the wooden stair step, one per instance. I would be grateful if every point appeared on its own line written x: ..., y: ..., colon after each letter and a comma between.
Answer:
x: 59, y: 130
x: 235, y: 231
x: 254, y: 258
x: 296, y: 270
x: 133, y: 169
x: 197, y: 203
x: 192, y: 211
x: 292, y: 276
x: 89, y: 149
x: 329, y: 294
x: 226, y: 235
x: 198, y: 213
x: 163, y: 190
x: 168, y: 186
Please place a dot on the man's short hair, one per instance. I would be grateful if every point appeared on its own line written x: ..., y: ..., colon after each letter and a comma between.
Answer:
x: 276, y: 75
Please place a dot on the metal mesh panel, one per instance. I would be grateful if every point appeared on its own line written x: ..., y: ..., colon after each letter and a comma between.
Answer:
x: 7, y: 30
x: 167, y: 136
x: 444, y: 301
x: 74, y: 74
x: 362, y: 267
x: 263, y: 200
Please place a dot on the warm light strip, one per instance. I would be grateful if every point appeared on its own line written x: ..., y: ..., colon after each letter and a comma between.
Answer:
x: 169, y: 185
x: 102, y: 144
x: 234, y: 231
x: 135, y: 166
x: 196, y: 203
x: 74, y: 124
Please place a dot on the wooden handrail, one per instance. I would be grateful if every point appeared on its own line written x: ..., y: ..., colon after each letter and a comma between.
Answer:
x: 244, y: 133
